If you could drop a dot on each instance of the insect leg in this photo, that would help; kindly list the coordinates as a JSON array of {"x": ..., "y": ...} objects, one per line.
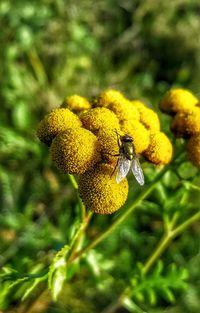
[{"x": 115, "y": 167}]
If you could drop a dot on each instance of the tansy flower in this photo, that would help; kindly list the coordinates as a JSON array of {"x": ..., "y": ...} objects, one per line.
[
  {"x": 100, "y": 192},
  {"x": 139, "y": 134},
  {"x": 193, "y": 149},
  {"x": 186, "y": 124},
  {"x": 148, "y": 117},
  {"x": 124, "y": 110},
  {"x": 75, "y": 150},
  {"x": 56, "y": 122},
  {"x": 96, "y": 118},
  {"x": 138, "y": 104},
  {"x": 159, "y": 150},
  {"x": 107, "y": 97},
  {"x": 76, "y": 103},
  {"x": 178, "y": 100},
  {"x": 108, "y": 140}
]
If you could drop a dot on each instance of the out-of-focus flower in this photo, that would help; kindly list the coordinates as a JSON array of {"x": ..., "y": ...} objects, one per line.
[
  {"x": 56, "y": 122},
  {"x": 139, "y": 134},
  {"x": 100, "y": 192},
  {"x": 160, "y": 149},
  {"x": 75, "y": 151},
  {"x": 107, "y": 97},
  {"x": 186, "y": 124},
  {"x": 97, "y": 118},
  {"x": 148, "y": 117},
  {"x": 76, "y": 103},
  {"x": 178, "y": 100},
  {"x": 193, "y": 149}
]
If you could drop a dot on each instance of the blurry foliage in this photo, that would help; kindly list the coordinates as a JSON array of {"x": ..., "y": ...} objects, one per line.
[{"x": 50, "y": 49}]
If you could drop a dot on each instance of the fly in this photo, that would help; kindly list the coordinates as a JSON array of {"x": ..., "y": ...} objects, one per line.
[{"x": 127, "y": 159}]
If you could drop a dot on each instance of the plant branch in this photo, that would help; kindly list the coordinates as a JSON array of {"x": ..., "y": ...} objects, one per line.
[{"x": 122, "y": 217}]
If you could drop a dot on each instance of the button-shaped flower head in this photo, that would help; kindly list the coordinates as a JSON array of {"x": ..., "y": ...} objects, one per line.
[
  {"x": 148, "y": 117},
  {"x": 100, "y": 192},
  {"x": 75, "y": 151},
  {"x": 97, "y": 118},
  {"x": 178, "y": 100},
  {"x": 76, "y": 103},
  {"x": 193, "y": 149},
  {"x": 124, "y": 110},
  {"x": 139, "y": 134},
  {"x": 56, "y": 122},
  {"x": 107, "y": 97},
  {"x": 108, "y": 141},
  {"x": 186, "y": 124},
  {"x": 160, "y": 149}
]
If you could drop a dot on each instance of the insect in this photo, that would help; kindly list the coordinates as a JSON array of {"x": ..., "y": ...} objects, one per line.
[{"x": 127, "y": 159}]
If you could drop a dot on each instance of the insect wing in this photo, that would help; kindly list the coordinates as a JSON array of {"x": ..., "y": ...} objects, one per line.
[
  {"x": 137, "y": 171},
  {"x": 123, "y": 168}
]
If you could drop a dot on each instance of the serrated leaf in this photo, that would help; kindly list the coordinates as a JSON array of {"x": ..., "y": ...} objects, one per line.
[
  {"x": 131, "y": 306},
  {"x": 151, "y": 296},
  {"x": 158, "y": 268},
  {"x": 158, "y": 282},
  {"x": 32, "y": 285},
  {"x": 58, "y": 272},
  {"x": 167, "y": 294}
]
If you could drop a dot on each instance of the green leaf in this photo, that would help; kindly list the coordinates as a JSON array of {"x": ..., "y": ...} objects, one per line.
[
  {"x": 131, "y": 306},
  {"x": 158, "y": 283},
  {"x": 32, "y": 285},
  {"x": 58, "y": 272}
]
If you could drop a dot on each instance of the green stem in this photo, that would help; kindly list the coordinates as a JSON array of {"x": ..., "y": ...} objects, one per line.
[
  {"x": 75, "y": 186},
  {"x": 166, "y": 239},
  {"x": 73, "y": 181},
  {"x": 161, "y": 247},
  {"x": 121, "y": 218},
  {"x": 79, "y": 234}
]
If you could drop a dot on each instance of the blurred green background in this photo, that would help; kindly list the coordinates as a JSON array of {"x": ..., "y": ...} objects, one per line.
[{"x": 51, "y": 49}]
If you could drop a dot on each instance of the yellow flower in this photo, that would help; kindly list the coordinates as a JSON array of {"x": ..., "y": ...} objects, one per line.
[
  {"x": 160, "y": 149},
  {"x": 109, "y": 147},
  {"x": 139, "y": 134},
  {"x": 138, "y": 104},
  {"x": 184, "y": 125},
  {"x": 193, "y": 149},
  {"x": 107, "y": 97},
  {"x": 100, "y": 192},
  {"x": 96, "y": 118},
  {"x": 178, "y": 100},
  {"x": 75, "y": 150},
  {"x": 148, "y": 117},
  {"x": 124, "y": 110},
  {"x": 56, "y": 122},
  {"x": 76, "y": 103}
]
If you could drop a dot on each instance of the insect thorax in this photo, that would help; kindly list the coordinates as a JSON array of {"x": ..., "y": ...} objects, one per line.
[{"x": 127, "y": 150}]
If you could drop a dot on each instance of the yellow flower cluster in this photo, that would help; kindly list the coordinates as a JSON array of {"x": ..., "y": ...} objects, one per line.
[
  {"x": 186, "y": 121},
  {"x": 84, "y": 140}
]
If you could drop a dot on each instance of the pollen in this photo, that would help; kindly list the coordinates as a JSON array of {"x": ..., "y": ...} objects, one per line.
[
  {"x": 193, "y": 149},
  {"x": 160, "y": 149},
  {"x": 124, "y": 110},
  {"x": 99, "y": 191},
  {"x": 97, "y": 118},
  {"x": 56, "y": 122},
  {"x": 76, "y": 103},
  {"x": 75, "y": 150},
  {"x": 178, "y": 100},
  {"x": 107, "y": 97},
  {"x": 148, "y": 117},
  {"x": 139, "y": 134},
  {"x": 186, "y": 124}
]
